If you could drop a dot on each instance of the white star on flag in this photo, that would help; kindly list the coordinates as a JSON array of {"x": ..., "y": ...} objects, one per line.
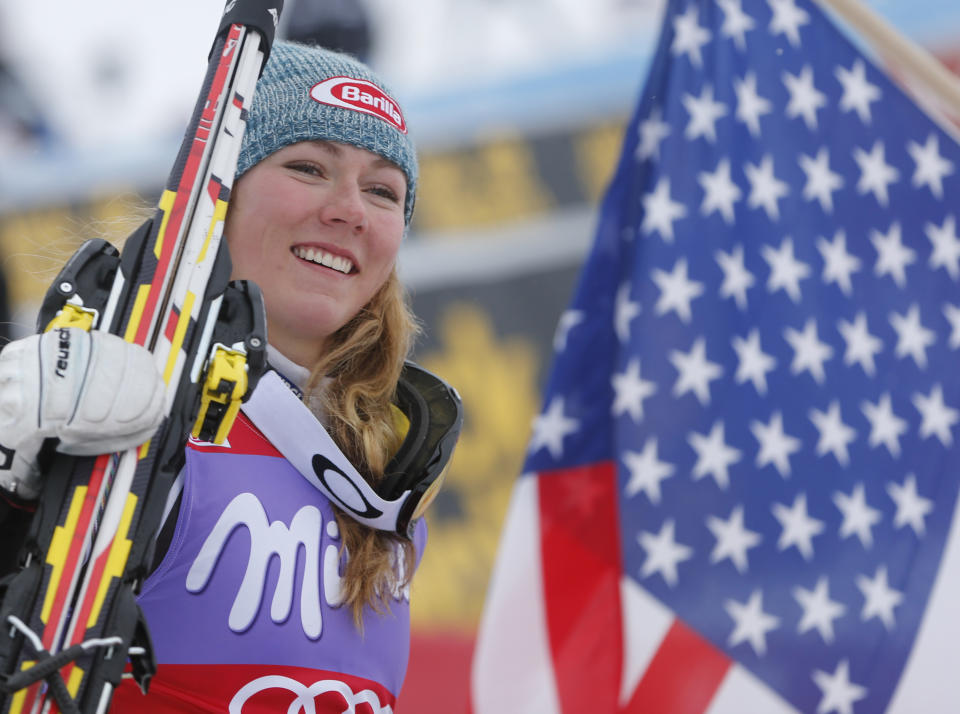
[
  {"x": 821, "y": 183},
  {"x": 765, "y": 188},
  {"x": 946, "y": 246},
  {"x": 704, "y": 113},
  {"x": 664, "y": 554},
  {"x": 753, "y": 363},
  {"x": 714, "y": 456},
  {"x": 809, "y": 353},
  {"x": 862, "y": 347},
  {"x": 858, "y": 93},
  {"x": 776, "y": 446},
  {"x": 937, "y": 418},
  {"x": 805, "y": 99},
  {"x": 819, "y": 611},
  {"x": 750, "y": 105},
  {"x": 787, "y": 19},
  {"x": 786, "y": 271},
  {"x": 838, "y": 264},
  {"x": 893, "y": 256},
  {"x": 858, "y": 517},
  {"x": 736, "y": 23},
  {"x": 646, "y": 471},
  {"x": 912, "y": 508},
  {"x": 651, "y": 132},
  {"x": 551, "y": 428},
  {"x": 932, "y": 168},
  {"x": 835, "y": 436},
  {"x": 736, "y": 278},
  {"x": 695, "y": 371},
  {"x": 751, "y": 623},
  {"x": 885, "y": 427},
  {"x": 879, "y": 598},
  {"x": 630, "y": 390},
  {"x": 676, "y": 290},
  {"x": 660, "y": 211},
  {"x": 733, "y": 539},
  {"x": 913, "y": 339},
  {"x": 798, "y": 527},
  {"x": 720, "y": 192},
  {"x": 624, "y": 311},
  {"x": 839, "y": 693},
  {"x": 876, "y": 174},
  {"x": 689, "y": 36},
  {"x": 952, "y": 313},
  {"x": 568, "y": 320}
]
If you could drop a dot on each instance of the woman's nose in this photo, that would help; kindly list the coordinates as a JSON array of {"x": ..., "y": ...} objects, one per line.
[{"x": 343, "y": 204}]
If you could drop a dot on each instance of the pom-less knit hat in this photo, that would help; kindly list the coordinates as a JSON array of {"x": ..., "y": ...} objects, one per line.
[{"x": 308, "y": 93}]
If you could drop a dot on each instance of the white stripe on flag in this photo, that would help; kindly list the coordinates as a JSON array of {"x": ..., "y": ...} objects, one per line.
[
  {"x": 645, "y": 623},
  {"x": 743, "y": 693},
  {"x": 930, "y": 682},
  {"x": 512, "y": 664}
]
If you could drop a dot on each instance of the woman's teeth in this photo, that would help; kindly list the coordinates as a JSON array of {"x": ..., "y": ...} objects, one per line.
[{"x": 321, "y": 257}]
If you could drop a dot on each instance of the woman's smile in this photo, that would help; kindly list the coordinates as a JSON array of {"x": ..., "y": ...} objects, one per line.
[{"x": 319, "y": 256}]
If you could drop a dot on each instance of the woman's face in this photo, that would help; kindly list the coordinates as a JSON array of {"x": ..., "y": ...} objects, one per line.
[{"x": 317, "y": 225}]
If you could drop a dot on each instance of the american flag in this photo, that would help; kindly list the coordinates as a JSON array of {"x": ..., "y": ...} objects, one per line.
[{"x": 740, "y": 493}]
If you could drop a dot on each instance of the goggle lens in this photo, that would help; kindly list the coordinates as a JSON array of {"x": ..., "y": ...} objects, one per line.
[{"x": 429, "y": 496}]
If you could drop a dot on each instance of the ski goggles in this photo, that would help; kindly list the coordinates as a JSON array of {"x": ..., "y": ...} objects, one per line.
[
  {"x": 433, "y": 416},
  {"x": 433, "y": 413}
]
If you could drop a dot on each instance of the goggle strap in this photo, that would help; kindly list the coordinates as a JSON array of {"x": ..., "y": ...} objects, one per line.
[{"x": 303, "y": 441}]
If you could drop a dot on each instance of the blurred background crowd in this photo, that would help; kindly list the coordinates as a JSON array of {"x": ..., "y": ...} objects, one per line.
[{"x": 518, "y": 109}]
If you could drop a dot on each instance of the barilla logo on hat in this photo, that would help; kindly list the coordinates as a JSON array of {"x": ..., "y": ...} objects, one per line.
[{"x": 360, "y": 96}]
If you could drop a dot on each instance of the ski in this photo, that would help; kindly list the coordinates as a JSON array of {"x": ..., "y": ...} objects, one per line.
[{"x": 69, "y": 621}]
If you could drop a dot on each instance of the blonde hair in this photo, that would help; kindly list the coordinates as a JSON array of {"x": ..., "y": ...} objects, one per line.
[{"x": 360, "y": 371}]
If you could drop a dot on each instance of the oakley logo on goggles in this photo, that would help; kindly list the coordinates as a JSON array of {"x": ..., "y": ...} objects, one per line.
[{"x": 433, "y": 414}]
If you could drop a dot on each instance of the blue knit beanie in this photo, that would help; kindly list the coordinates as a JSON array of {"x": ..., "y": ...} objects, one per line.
[{"x": 310, "y": 93}]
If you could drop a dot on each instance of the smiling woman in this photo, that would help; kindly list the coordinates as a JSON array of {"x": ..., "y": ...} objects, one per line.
[
  {"x": 324, "y": 195},
  {"x": 317, "y": 493},
  {"x": 317, "y": 225}
]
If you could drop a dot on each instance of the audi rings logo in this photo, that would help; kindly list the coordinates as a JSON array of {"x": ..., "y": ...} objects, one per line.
[{"x": 304, "y": 697}]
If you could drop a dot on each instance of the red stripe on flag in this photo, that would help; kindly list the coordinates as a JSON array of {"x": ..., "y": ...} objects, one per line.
[
  {"x": 683, "y": 676},
  {"x": 580, "y": 542}
]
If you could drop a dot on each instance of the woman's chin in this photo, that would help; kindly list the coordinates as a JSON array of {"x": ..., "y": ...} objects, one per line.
[{"x": 305, "y": 325}]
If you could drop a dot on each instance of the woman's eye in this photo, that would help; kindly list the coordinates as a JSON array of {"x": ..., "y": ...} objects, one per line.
[
  {"x": 306, "y": 168},
  {"x": 385, "y": 192}
]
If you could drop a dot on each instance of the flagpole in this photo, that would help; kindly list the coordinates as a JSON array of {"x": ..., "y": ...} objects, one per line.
[{"x": 907, "y": 54}]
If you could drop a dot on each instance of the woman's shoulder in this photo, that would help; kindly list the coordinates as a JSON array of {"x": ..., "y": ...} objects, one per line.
[{"x": 244, "y": 438}]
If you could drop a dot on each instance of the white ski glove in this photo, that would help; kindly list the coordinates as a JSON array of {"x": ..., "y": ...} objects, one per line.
[{"x": 92, "y": 390}]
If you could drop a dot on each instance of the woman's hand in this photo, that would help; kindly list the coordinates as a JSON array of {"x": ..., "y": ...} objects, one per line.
[{"x": 93, "y": 391}]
